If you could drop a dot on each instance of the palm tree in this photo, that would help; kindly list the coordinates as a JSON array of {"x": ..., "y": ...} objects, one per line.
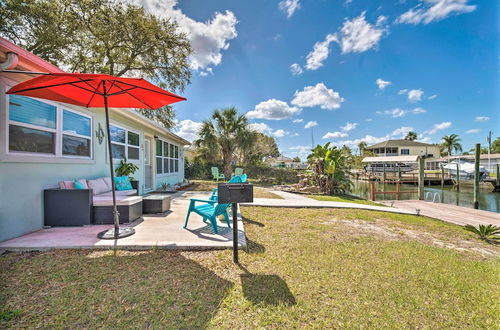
[
  {"x": 330, "y": 169},
  {"x": 223, "y": 134},
  {"x": 411, "y": 136},
  {"x": 362, "y": 146},
  {"x": 451, "y": 143}
]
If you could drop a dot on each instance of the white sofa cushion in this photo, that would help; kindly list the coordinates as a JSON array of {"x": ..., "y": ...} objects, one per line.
[
  {"x": 107, "y": 179},
  {"x": 98, "y": 186},
  {"x": 120, "y": 200},
  {"x": 118, "y": 193}
]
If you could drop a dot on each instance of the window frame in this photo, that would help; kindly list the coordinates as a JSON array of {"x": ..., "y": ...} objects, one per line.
[
  {"x": 57, "y": 131},
  {"x": 126, "y": 144},
  {"x": 401, "y": 151},
  {"x": 169, "y": 158}
]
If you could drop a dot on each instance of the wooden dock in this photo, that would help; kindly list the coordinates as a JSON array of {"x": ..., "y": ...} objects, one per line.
[{"x": 458, "y": 215}]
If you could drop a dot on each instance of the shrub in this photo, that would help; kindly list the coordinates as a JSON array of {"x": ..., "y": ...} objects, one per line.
[{"x": 489, "y": 233}]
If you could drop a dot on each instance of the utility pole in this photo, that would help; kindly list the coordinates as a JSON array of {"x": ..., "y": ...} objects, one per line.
[{"x": 476, "y": 175}]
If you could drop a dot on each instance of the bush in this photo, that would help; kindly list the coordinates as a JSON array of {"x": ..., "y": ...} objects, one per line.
[{"x": 257, "y": 173}]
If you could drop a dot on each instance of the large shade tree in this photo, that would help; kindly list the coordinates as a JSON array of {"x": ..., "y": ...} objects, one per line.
[
  {"x": 102, "y": 36},
  {"x": 224, "y": 134},
  {"x": 451, "y": 143}
]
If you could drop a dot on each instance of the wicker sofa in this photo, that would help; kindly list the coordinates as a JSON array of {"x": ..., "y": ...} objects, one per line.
[{"x": 67, "y": 206}]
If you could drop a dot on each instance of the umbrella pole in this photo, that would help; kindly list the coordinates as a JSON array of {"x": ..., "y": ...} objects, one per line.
[{"x": 116, "y": 232}]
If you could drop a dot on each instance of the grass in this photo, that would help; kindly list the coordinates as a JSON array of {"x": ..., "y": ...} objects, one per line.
[
  {"x": 206, "y": 185},
  {"x": 343, "y": 198},
  {"x": 312, "y": 268}
]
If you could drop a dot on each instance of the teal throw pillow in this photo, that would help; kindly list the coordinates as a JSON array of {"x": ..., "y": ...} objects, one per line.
[
  {"x": 79, "y": 185},
  {"x": 123, "y": 183}
]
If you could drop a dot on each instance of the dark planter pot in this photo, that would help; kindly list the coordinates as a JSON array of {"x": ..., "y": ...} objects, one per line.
[{"x": 135, "y": 184}]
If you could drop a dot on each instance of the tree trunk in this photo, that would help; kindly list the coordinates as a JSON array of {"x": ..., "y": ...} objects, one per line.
[{"x": 226, "y": 159}]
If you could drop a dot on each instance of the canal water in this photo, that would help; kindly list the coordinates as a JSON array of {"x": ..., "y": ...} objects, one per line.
[{"x": 488, "y": 200}]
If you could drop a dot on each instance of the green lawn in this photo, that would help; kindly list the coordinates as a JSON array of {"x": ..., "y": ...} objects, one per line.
[
  {"x": 304, "y": 268},
  {"x": 343, "y": 198}
]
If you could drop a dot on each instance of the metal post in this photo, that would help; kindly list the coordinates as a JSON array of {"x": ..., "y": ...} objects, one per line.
[
  {"x": 476, "y": 175},
  {"x": 421, "y": 165},
  {"x": 458, "y": 177},
  {"x": 498, "y": 175},
  {"x": 372, "y": 190},
  {"x": 235, "y": 233},
  {"x": 442, "y": 176},
  {"x": 398, "y": 190}
]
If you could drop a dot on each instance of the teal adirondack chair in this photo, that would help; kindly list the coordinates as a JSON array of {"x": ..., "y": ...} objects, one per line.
[
  {"x": 216, "y": 174},
  {"x": 209, "y": 210},
  {"x": 238, "y": 171}
]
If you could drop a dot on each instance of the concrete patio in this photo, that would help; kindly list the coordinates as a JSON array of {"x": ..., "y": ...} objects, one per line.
[{"x": 163, "y": 231}]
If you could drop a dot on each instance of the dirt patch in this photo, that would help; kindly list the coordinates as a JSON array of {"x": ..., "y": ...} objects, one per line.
[{"x": 382, "y": 229}]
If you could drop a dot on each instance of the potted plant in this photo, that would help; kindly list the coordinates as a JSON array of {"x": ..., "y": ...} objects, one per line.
[{"x": 128, "y": 169}]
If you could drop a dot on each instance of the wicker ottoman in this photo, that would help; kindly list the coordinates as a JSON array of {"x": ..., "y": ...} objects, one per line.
[
  {"x": 156, "y": 203},
  {"x": 129, "y": 207}
]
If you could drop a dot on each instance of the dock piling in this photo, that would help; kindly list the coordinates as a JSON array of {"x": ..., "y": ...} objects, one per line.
[
  {"x": 421, "y": 166},
  {"x": 476, "y": 175}
]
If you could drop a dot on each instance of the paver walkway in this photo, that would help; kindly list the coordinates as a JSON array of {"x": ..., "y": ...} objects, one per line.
[
  {"x": 164, "y": 231},
  {"x": 299, "y": 201},
  {"x": 450, "y": 213}
]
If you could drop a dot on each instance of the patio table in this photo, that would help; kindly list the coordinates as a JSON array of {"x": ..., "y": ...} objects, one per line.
[{"x": 156, "y": 203}]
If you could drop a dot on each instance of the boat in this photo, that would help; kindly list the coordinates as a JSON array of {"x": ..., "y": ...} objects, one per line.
[{"x": 465, "y": 170}]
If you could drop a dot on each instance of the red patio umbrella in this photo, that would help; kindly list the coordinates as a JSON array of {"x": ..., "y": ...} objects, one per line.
[{"x": 98, "y": 91}]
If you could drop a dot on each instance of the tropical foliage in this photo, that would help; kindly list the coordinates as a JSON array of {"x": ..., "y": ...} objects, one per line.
[
  {"x": 223, "y": 135},
  {"x": 330, "y": 169},
  {"x": 362, "y": 147},
  {"x": 451, "y": 143},
  {"x": 489, "y": 233},
  {"x": 115, "y": 37},
  {"x": 411, "y": 136},
  {"x": 126, "y": 169}
]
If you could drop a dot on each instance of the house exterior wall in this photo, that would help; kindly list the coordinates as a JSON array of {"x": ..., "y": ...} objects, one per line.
[
  {"x": 23, "y": 178},
  {"x": 412, "y": 151}
]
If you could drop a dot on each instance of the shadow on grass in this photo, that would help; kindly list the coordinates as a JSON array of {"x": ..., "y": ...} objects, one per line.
[
  {"x": 132, "y": 289},
  {"x": 254, "y": 247},
  {"x": 266, "y": 289},
  {"x": 252, "y": 222}
]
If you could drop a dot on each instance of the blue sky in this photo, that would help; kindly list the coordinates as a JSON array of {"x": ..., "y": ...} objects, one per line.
[{"x": 355, "y": 70}]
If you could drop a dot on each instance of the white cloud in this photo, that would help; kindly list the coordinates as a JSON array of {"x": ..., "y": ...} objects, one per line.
[
  {"x": 289, "y": 7},
  {"x": 318, "y": 95},
  {"x": 415, "y": 95},
  {"x": 188, "y": 129},
  {"x": 349, "y": 126},
  {"x": 298, "y": 120},
  {"x": 397, "y": 112},
  {"x": 355, "y": 36},
  {"x": 335, "y": 135},
  {"x": 272, "y": 109},
  {"x": 473, "y": 131},
  {"x": 208, "y": 39},
  {"x": 368, "y": 139},
  {"x": 401, "y": 132},
  {"x": 481, "y": 118},
  {"x": 438, "y": 127},
  {"x": 295, "y": 69},
  {"x": 432, "y": 97},
  {"x": 403, "y": 91},
  {"x": 424, "y": 139},
  {"x": 428, "y": 11},
  {"x": 369, "y": 119},
  {"x": 301, "y": 150},
  {"x": 266, "y": 129},
  {"x": 315, "y": 58},
  {"x": 382, "y": 83},
  {"x": 311, "y": 124}
]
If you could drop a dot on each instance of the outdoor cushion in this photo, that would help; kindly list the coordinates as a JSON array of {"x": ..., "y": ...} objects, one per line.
[
  {"x": 123, "y": 183},
  {"x": 118, "y": 193},
  {"x": 120, "y": 200},
  {"x": 107, "y": 179},
  {"x": 71, "y": 184},
  {"x": 78, "y": 185},
  {"x": 98, "y": 186}
]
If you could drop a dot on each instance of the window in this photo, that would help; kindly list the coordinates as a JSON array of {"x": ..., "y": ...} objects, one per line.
[
  {"x": 124, "y": 143},
  {"x": 40, "y": 128},
  {"x": 405, "y": 151},
  {"x": 77, "y": 136},
  {"x": 167, "y": 157}
]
